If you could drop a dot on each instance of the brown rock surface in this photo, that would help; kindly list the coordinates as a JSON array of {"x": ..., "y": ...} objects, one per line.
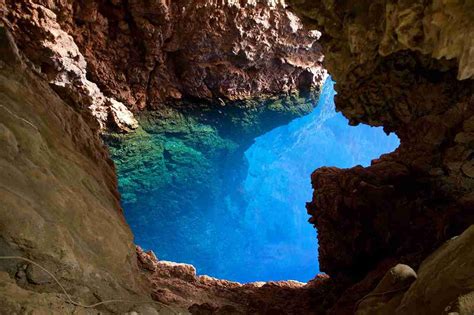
[
  {"x": 389, "y": 60},
  {"x": 59, "y": 202},
  {"x": 178, "y": 284},
  {"x": 144, "y": 54},
  {"x": 444, "y": 285}
]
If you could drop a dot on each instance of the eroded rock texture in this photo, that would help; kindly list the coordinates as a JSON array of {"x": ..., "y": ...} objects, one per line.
[
  {"x": 444, "y": 279},
  {"x": 406, "y": 66},
  {"x": 178, "y": 284},
  {"x": 59, "y": 202},
  {"x": 117, "y": 55}
]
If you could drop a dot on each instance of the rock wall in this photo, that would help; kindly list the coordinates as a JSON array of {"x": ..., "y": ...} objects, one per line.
[
  {"x": 406, "y": 66},
  {"x": 183, "y": 59},
  {"x": 117, "y": 55},
  {"x": 438, "y": 281},
  {"x": 178, "y": 284},
  {"x": 59, "y": 202}
]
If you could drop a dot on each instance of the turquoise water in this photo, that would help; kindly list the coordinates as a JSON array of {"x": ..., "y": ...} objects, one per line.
[
  {"x": 280, "y": 164},
  {"x": 239, "y": 219}
]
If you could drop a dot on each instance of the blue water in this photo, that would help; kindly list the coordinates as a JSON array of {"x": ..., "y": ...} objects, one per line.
[
  {"x": 256, "y": 230},
  {"x": 280, "y": 164}
]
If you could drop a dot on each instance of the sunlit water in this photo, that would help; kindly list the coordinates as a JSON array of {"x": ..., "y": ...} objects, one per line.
[
  {"x": 280, "y": 164},
  {"x": 261, "y": 232}
]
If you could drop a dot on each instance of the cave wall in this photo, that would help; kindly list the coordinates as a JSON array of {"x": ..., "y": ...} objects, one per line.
[
  {"x": 113, "y": 57},
  {"x": 403, "y": 65},
  {"x": 86, "y": 83},
  {"x": 59, "y": 201},
  {"x": 407, "y": 66}
]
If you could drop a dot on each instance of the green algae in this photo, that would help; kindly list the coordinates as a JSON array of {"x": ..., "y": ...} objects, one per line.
[
  {"x": 168, "y": 154},
  {"x": 189, "y": 142}
]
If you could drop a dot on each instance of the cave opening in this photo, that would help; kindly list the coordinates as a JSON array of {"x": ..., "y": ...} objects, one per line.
[{"x": 236, "y": 211}]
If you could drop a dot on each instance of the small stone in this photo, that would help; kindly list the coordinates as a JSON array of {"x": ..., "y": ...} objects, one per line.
[
  {"x": 36, "y": 275},
  {"x": 468, "y": 169},
  {"x": 147, "y": 260},
  {"x": 463, "y": 137},
  {"x": 146, "y": 310},
  {"x": 121, "y": 116},
  {"x": 21, "y": 277}
]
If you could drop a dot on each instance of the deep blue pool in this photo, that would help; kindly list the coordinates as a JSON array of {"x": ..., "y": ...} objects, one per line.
[
  {"x": 280, "y": 164},
  {"x": 252, "y": 230}
]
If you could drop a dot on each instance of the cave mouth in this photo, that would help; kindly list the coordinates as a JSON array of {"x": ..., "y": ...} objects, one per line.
[{"x": 194, "y": 197}]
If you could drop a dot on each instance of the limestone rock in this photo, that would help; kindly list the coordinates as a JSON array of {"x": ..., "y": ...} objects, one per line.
[
  {"x": 112, "y": 57},
  {"x": 146, "y": 260},
  {"x": 59, "y": 197},
  {"x": 444, "y": 284},
  {"x": 445, "y": 280},
  {"x": 367, "y": 30},
  {"x": 176, "y": 284},
  {"x": 405, "y": 66},
  {"x": 36, "y": 275},
  {"x": 66, "y": 68},
  {"x": 388, "y": 292}
]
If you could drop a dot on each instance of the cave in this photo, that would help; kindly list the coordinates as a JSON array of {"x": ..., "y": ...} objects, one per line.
[{"x": 180, "y": 157}]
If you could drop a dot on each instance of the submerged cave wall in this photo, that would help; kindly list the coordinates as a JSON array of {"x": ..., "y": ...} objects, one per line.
[
  {"x": 181, "y": 170},
  {"x": 407, "y": 66}
]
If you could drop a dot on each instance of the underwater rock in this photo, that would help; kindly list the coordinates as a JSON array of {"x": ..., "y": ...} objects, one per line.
[{"x": 181, "y": 169}]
